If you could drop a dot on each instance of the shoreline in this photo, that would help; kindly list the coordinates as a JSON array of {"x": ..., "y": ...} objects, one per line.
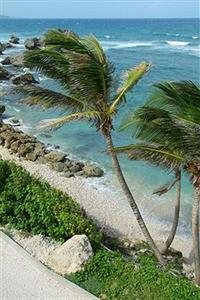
[{"x": 113, "y": 215}]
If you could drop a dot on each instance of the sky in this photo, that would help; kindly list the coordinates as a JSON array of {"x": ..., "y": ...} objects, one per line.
[{"x": 100, "y": 8}]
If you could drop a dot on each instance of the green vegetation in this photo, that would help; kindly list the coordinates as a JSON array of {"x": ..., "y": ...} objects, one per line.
[
  {"x": 109, "y": 275},
  {"x": 34, "y": 206},
  {"x": 168, "y": 127}
]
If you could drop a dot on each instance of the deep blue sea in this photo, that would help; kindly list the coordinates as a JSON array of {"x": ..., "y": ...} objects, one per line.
[{"x": 171, "y": 45}]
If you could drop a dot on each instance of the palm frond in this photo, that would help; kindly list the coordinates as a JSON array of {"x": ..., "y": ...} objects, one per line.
[
  {"x": 46, "y": 98},
  {"x": 89, "y": 72},
  {"x": 131, "y": 78},
  {"x": 59, "y": 122},
  {"x": 51, "y": 63},
  {"x": 165, "y": 188},
  {"x": 181, "y": 98},
  {"x": 56, "y": 39},
  {"x": 156, "y": 155}
]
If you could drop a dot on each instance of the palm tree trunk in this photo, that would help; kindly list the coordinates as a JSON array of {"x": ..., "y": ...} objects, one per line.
[
  {"x": 131, "y": 200},
  {"x": 176, "y": 216},
  {"x": 195, "y": 234}
]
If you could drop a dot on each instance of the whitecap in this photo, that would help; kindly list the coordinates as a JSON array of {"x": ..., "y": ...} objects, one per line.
[
  {"x": 177, "y": 43},
  {"x": 123, "y": 44},
  {"x": 18, "y": 45},
  {"x": 107, "y": 36},
  {"x": 195, "y": 37},
  {"x": 41, "y": 78}
]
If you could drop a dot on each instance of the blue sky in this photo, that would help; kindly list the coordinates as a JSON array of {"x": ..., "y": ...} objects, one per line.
[{"x": 100, "y": 8}]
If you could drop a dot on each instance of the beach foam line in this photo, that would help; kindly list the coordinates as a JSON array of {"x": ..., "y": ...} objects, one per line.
[{"x": 178, "y": 43}]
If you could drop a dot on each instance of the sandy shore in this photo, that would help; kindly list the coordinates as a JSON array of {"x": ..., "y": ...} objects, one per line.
[{"x": 104, "y": 206}]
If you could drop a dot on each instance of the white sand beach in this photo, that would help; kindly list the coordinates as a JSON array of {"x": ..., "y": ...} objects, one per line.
[{"x": 111, "y": 212}]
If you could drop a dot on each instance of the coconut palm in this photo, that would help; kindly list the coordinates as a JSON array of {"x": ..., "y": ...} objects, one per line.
[
  {"x": 169, "y": 127},
  {"x": 81, "y": 67}
]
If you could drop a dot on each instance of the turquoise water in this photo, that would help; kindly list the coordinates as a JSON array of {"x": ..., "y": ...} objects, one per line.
[{"x": 173, "y": 48}]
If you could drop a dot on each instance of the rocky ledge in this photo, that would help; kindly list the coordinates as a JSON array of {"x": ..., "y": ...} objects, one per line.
[{"x": 29, "y": 148}]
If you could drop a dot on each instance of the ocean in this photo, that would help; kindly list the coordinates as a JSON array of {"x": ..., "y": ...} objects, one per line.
[{"x": 171, "y": 45}]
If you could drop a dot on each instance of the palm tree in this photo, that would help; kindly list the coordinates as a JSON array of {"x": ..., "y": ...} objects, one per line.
[
  {"x": 161, "y": 157},
  {"x": 81, "y": 67},
  {"x": 169, "y": 127}
]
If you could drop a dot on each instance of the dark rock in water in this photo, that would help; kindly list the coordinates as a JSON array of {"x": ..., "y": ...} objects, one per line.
[
  {"x": 14, "y": 122},
  {"x": 2, "y": 109},
  {"x": 24, "y": 79},
  {"x": 4, "y": 74},
  {"x": 33, "y": 44},
  {"x": 14, "y": 39},
  {"x": 2, "y": 48},
  {"x": 8, "y": 45},
  {"x": 17, "y": 60},
  {"x": 6, "y": 61}
]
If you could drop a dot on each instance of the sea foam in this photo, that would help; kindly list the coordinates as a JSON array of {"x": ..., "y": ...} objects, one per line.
[
  {"x": 178, "y": 43},
  {"x": 123, "y": 44}
]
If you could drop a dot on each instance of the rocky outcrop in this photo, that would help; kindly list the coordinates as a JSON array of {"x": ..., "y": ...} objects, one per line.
[
  {"x": 14, "y": 39},
  {"x": 6, "y": 61},
  {"x": 17, "y": 60},
  {"x": 30, "y": 148},
  {"x": 33, "y": 44},
  {"x": 71, "y": 256},
  {"x": 24, "y": 79},
  {"x": 4, "y": 74}
]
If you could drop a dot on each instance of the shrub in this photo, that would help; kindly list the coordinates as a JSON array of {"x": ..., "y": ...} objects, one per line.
[
  {"x": 33, "y": 205},
  {"x": 109, "y": 275}
]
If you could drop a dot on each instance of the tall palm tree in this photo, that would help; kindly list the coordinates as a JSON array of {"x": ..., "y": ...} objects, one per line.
[
  {"x": 169, "y": 127},
  {"x": 160, "y": 156},
  {"x": 81, "y": 67}
]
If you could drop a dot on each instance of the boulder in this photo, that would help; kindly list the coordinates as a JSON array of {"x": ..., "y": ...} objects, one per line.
[
  {"x": 68, "y": 174},
  {"x": 76, "y": 167},
  {"x": 2, "y": 48},
  {"x": 58, "y": 166},
  {"x": 24, "y": 79},
  {"x": 2, "y": 109},
  {"x": 40, "y": 149},
  {"x": 71, "y": 256},
  {"x": 8, "y": 45},
  {"x": 92, "y": 171},
  {"x": 24, "y": 149},
  {"x": 55, "y": 156},
  {"x": 4, "y": 74},
  {"x": 6, "y": 61},
  {"x": 32, "y": 44},
  {"x": 15, "y": 146},
  {"x": 17, "y": 60},
  {"x": 14, "y": 39}
]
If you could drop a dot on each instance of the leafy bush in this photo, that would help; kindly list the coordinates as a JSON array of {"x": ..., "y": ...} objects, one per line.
[
  {"x": 109, "y": 275},
  {"x": 33, "y": 205}
]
